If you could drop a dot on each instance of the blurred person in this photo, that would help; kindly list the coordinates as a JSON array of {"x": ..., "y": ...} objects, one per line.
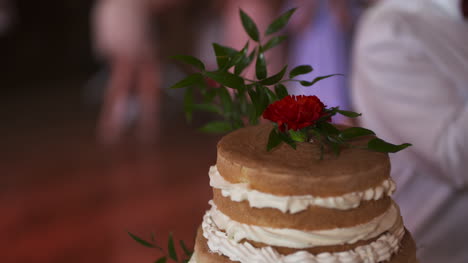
[
  {"x": 321, "y": 33},
  {"x": 124, "y": 36},
  {"x": 410, "y": 81}
]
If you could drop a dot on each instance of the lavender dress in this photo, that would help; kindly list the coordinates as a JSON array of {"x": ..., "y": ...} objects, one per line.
[{"x": 325, "y": 46}]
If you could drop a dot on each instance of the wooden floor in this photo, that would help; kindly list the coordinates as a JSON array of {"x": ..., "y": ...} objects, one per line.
[{"x": 65, "y": 198}]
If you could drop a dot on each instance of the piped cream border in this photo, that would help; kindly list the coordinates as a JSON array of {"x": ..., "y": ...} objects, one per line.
[
  {"x": 293, "y": 204},
  {"x": 222, "y": 243}
]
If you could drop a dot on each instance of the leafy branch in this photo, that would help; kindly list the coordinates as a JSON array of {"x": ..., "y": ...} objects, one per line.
[
  {"x": 239, "y": 101},
  {"x": 171, "y": 251},
  {"x": 330, "y": 138}
]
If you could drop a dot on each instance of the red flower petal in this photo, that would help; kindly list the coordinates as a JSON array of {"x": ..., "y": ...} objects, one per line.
[{"x": 295, "y": 112}]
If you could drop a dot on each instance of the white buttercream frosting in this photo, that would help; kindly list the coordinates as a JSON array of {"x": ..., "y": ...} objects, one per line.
[
  {"x": 294, "y": 238},
  {"x": 223, "y": 243},
  {"x": 239, "y": 192}
]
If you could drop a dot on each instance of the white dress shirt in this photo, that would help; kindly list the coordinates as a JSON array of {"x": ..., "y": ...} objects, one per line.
[{"x": 410, "y": 81}]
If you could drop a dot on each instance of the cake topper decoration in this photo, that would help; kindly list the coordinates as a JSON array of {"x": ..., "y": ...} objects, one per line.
[{"x": 240, "y": 101}]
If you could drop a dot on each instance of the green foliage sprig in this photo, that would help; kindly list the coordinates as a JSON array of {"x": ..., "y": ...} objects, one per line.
[
  {"x": 240, "y": 101},
  {"x": 330, "y": 138},
  {"x": 171, "y": 251}
]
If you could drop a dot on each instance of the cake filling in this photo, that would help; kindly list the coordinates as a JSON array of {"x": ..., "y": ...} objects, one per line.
[
  {"x": 239, "y": 192},
  {"x": 293, "y": 238},
  {"x": 226, "y": 244}
]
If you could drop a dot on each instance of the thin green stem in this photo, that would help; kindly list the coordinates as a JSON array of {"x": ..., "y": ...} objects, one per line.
[
  {"x": 249, "y": 79},
  {"x": 286, "y": 80}
]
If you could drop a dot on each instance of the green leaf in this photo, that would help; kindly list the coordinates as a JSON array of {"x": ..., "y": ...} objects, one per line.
[
  {"x": 354, "y": 132},
  {"x": 349, "y": 114},
  {"x": 275, "y": 78},
  {"x": 281, "y": 91},
  {"x": 270, "y": 95},
  {"x": 190, "y": 80},
  {"x": 256, "y": 109},
  {"x": 188, "y": 104},
  {"x": 336, "y": 146},
  {"x": 171, "y": 248},
  {"x": 253, "y": 96},
  {"x": 185, "y": 249},
  {"x": 226, "y": 99},
  {"x": 249, "y": 26},
  {"x": 226, "y": 79},
  {"x": 300, "y": 70},
  {"x": 221, "y": 50},
  {"x": 298, "y": 136},
  {"x": 322, "y": 151},
  {"x": 327, "y": 128},
  {"x": 223, "y": 54},
  {"x": 244, "y": 63},
  {"x": 252, "y": 113},
  {"x": 241, "y": 102},
  {"x": 280, "y": 22},
  {"x": 335, "y": 139},
  {"x": 217, "y": 127},
  {"x": 141, "y": 241},
  {"x": 207, "y": 108},
  {"x": 285, "y": 138},
  {"x": 161, "y": 260},
  {"x": 328, "y": 114},
  {"x": 310, "y": 83},
  {"x": 273, "y": 42},
  {"x": 262, "y": 100},
  {"x": 260, "y": 66},
  {"x": 237, "y": 123},
  {"x": 273, "y": 140},
  {"x": 380, "y": 145},
  {"x": 236, "y": 58},
  {"x": 190, "y": 60},
  {"x": 209, "y": 95}
]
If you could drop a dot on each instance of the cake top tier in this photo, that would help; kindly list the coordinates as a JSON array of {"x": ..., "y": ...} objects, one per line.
[{"x": 243, "y": 158}]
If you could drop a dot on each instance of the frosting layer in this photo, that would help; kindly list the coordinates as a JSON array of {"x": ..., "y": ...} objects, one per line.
[
  {"x": 239, "y": 192},
  {"x": 293, "y": 238},
  {"x": 377, "y": 251}
]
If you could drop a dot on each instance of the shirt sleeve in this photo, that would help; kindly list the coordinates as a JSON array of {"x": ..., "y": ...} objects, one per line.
[{"x": 405, "y": 95}]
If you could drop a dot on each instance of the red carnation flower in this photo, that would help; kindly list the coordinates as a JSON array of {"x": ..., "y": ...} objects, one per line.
[{"x": 295, "y": 112}]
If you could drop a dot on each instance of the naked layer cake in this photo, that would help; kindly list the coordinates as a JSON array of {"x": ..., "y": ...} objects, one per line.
[{"x": 288, "y": 205}]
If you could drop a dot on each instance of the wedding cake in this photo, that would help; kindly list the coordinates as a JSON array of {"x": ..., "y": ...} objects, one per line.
[
  {"x": 296, "y": 190},
  {"x": 290, "y": 205}
]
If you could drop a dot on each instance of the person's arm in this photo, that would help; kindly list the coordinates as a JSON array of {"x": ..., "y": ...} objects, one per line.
[{"x": 404, "y": 93}]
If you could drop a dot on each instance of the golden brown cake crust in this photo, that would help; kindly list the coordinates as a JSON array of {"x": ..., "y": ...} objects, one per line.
[
  {"x": 406, "y": 253},
  {"x": 314, "y": 218},
  {"x": 242, "y": 157},
  {"x": 203, "y": 254},
  {"x": 314, "y": 250}
]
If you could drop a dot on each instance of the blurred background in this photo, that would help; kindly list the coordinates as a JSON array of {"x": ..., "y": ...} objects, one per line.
[
  {"x": 93, "y": 144},
  {"x": 70, "y": 189},
  {"x": 64, "y": 195}
]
